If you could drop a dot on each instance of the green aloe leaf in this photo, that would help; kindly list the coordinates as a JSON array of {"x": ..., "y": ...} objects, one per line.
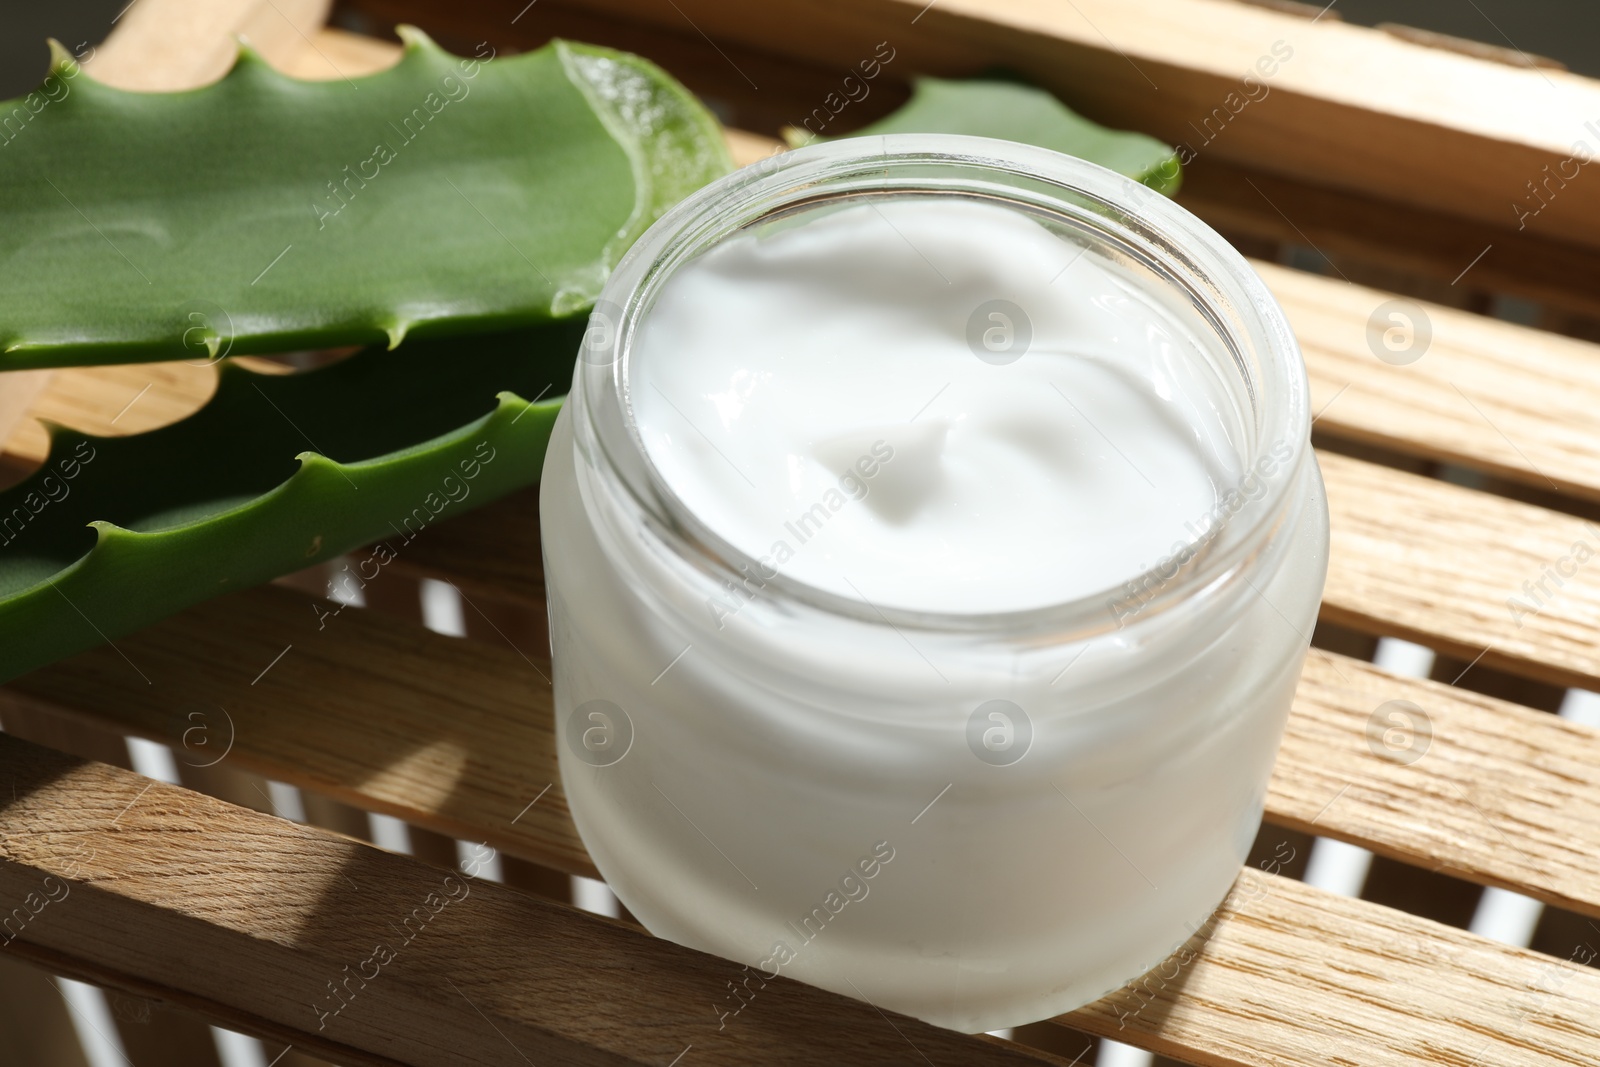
[
  {"x": 265, "y": 213},
  {"x": 274, "y": 473},
  {"x": 999, "y": 106}
]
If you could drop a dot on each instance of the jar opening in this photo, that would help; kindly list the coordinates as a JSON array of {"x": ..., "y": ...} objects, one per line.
[{"x": 1184, "y": 269}]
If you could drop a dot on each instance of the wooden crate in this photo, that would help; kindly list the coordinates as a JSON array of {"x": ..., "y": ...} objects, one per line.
[{"x": 1456, "y": 482}]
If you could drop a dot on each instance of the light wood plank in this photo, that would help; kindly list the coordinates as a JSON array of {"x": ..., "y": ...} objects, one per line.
[
  {"x": 1476, "y": 576},
  {"x": 1475, "y": 787},
  {"x": 1353, "y": 108},
  {"x": 1361, "y": 233},
  {"x": 334, "y": 53},
  {"x": 497, "y": 555},
  {"x": 118, "y": 399},
  {"x": 256, "y": 921},
  {"x": 165, "y": 45},
  {"x": 19, "y": 394},
  {"x": 465, "y": 740},
  {"x": 1503, "y": 398},
  {"x": 1290, "y": 976}
]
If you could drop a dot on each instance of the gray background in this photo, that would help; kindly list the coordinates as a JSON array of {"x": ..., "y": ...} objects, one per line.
[{"x": 1568, "y": 30}]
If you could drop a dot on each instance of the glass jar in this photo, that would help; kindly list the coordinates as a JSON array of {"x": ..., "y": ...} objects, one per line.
[{"x": 1071, "y": 796}]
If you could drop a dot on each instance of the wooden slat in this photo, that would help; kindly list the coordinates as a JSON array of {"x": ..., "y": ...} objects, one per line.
[
  {"x": 18, "y": 394},
  {"x": 465, "y": 741},
  {"x": 1353, "y": 108},
  {"x": 496, "y": 556},
  {"x": 1447, "y": 567},
  {"x": 1355, "y": 230},
  {"x": 1480, "y": 788},
  {"x": 1291, "y": 976},
  {"x": 255, "y": 921},
  {"x": 1503, "y": 398},
  {"x": 120, "y": 399},
  {"x": 161, "y": 45},
  {"x": 333, "y": 53}
]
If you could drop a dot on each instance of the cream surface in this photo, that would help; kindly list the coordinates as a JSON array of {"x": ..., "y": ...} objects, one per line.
[{"x": 936, "y": 404}]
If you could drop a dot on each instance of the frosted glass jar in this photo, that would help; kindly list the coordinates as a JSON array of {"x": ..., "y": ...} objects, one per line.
[{"x": 1051, "y": 810}]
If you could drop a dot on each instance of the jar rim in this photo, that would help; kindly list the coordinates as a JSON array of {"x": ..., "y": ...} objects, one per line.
[{"x": 1216, "y": 280}]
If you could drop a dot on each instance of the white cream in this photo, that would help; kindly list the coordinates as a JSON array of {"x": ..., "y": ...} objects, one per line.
[
  {"x": 776, "y": 371},
  {"x": 979, "y": 819}
]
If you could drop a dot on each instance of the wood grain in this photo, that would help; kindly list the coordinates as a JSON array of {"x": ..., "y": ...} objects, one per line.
[
  {"x": 120, "y": 399},
  {"x": 463, "y": 743},
  {"x": 1504, "y": 795},
  {"x": 331, "y": 53},
  {"x": 1287, "y": 975},
  {"x": 1478, "y": 788},
  {"x": 1461, "y": 571},
  {"x": 1502, "y": 398},
  {"x": 18, "y": 396},
  {"x": 1361, "y": 233},
  {"x": 271, "y": 927},
  {"x": 163, "y": 46}
]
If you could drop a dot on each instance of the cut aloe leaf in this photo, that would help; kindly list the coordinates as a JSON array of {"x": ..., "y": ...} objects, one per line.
[
  {"x": 997, "y": 106},
  {"x": 264, "y": 213},
  {"x": 274, "y": 473}
]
